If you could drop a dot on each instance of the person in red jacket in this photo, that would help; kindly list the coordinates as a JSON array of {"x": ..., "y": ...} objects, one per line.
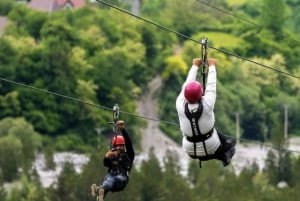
[{"x": 119, "y": 161}]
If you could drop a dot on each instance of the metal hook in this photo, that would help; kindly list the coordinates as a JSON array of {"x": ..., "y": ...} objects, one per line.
[
  {"x": 204, "y": 50},
  {"x": 116, "y": 112},
  {"x": 204, "y": 61},
  {"x": 115, "y": 118}
]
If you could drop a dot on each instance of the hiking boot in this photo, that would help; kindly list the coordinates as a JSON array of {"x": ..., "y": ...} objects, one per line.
[
  {"x": 94, "y": 189},
  {"x": 100, "y": 194},
  {"x": 228, "y": 155}
]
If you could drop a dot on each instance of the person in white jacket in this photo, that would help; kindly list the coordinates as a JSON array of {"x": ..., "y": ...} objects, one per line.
[{"x": 196, "y": 117}]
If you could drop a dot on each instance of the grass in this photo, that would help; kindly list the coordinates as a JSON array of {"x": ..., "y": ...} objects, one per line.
[{"x": 236, "y": 2}]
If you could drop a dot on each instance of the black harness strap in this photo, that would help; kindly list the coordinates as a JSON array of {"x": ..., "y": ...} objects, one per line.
[{"x": 197, "y": 135}]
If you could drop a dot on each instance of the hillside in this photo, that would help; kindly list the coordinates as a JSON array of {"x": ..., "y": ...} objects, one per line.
[{"x": 152, "y": 136}]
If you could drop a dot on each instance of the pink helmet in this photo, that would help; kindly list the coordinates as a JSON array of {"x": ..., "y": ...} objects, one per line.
[
  {"x": 193, "y": 92},
  {"x": 118, "y": 140}
]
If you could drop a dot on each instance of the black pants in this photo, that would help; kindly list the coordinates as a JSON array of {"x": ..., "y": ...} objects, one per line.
[{"x": 225, "y": 146}]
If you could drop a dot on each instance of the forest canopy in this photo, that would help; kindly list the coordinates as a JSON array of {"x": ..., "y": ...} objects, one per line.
[{"x": 97, "y": 56}]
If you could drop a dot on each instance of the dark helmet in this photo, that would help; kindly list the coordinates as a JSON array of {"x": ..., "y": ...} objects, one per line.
[
  {"x": 118, "y": 140},
  {"x": 193, "y": 92}
]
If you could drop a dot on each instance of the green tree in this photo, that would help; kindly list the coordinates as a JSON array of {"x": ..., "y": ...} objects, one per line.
[
  {"x": 8, "y": 63},
  {"x": 49, "y": 157},
  {"x": 209, "y": 180},
  {"x": 118, "y": 63},
  {"x": 279, "y": 163},
  {"x": 18, "y": 17},
  {"x": 31, "y": 191},
  {"x": 92, "y": 173},
  {"x": 5, "y": 7},
  {"x": 10, "y": 105},
  {"x": 273, "y": 16},
  {"x": 10, "y": 157},
  {"x": 193, "y": 172},
  {"x": 190, "y": 17},
  {"x": 172, "y": 78},
  {"x": 173, "y": 179},
  {"x": 26, "y": 21},
  {"x": 152, "y": 9},
  {"x": 67, "y": 185},
  {"x": 295, "y": 176},
  {"x": 246, "y": 176},
  {"x": 152, "y": 173},
  {"x": 293, "y": 21},
  {"x": 271, "y": 167},
  {"x": 27, "y": 143},
  {"x": 3, "y": 192}
]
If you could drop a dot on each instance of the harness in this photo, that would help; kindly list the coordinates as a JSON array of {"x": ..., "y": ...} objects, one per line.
[
  {"x": 121, "y": 164},
  {"x": 197, "y": 135}
]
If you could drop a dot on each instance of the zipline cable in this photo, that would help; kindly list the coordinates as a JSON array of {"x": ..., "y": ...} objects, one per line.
[
  {"x": 189, "y": 38},
  {"x": 247, "y": 21},
  {"x": 127, "y": 113},
  {"x": 139, "y": 116},
  {"x": 81, "y": 101},
  {"x": 264, "y": 144},
  {"x": 196, "y": 41}
]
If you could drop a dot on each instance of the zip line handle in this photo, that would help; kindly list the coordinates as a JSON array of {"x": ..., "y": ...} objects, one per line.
[
  {"x": 115, "y": 118},
  {"x": 116, "y": 113},
  {"x": 204, "y": 49},
  {"x": 204, "y": 61}
]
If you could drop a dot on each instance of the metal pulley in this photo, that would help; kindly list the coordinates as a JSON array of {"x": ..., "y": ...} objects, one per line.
[
  {"x": 115, "y": 118},
  {"x": 204, "y": 61}
]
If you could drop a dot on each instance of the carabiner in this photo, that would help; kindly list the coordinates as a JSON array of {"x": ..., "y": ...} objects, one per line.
[{"x": 116, "y": 113}]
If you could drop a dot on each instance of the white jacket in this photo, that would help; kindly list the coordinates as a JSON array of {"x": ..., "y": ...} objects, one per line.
[{"x": 207, "y": 119}]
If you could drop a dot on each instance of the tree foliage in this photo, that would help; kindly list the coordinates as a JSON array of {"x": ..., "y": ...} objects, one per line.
[
  {"x": 96, "y": 56},
  {"x": 19, "y": 143}
]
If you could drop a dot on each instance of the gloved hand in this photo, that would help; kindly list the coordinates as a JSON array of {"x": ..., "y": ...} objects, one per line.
[
  {"x": 121, "y": 124},
  {"x": 111, "y": 153}
]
